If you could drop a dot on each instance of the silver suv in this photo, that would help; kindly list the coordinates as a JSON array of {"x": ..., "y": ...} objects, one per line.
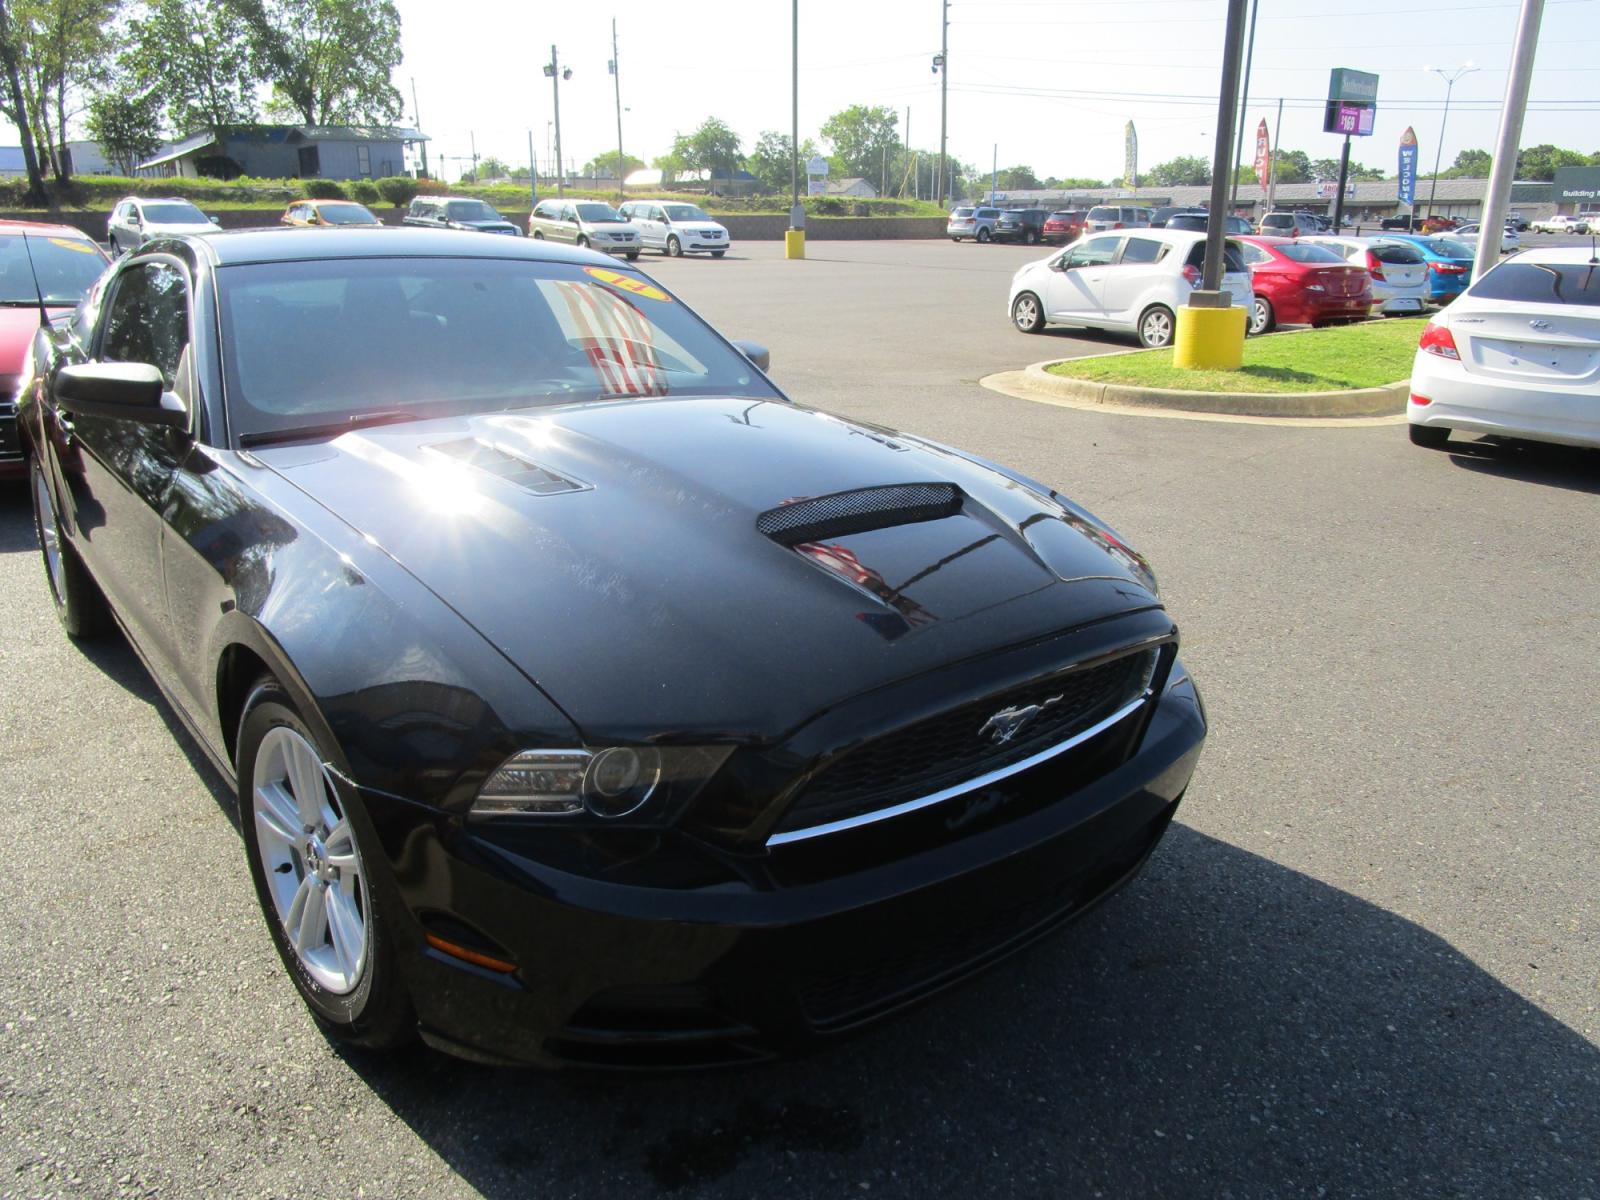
[
  {"x": 1283, "y": 224},
  {"x": 590, "y": 223},
  {"x": 975, "y": 223},
  {"x": 136, "y": 219},
  {"x": 1116, "y": 216}
]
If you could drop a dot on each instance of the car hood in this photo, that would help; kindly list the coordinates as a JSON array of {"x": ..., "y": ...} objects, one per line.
[
  {"x": 611, "y": 550},
  {"x": 488, "y": 226},
  {"x": 17, "y": 329}
]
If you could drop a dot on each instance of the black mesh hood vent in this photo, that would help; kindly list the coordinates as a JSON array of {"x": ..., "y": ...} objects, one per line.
[
  {"x": 820, "y": 517},
  {"x": 527, "y": 475}
]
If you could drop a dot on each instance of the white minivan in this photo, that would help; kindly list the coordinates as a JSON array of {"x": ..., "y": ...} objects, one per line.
[
  {"x": 1133, "y": 281},
  {"x": 676, "y": 229}
]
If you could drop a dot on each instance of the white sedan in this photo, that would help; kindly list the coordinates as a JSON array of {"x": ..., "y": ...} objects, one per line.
[
  {"x": 1517, "y": 354},
  {"x": 1127, "y": 281},
  {"x": 1398, "y": 269},
  {"x": 1509, "y": 240}
]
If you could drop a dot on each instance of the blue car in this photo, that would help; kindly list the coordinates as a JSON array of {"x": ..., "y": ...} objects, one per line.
[{"x": 1449, "y": 262}]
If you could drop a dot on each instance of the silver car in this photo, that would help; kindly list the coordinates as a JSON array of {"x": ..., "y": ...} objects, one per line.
[
  {"x": 975, "y": 223},
  {"x": 135, "y": 220},
  {"x": 1398, "y": 269},
  {"x": 590, "y": 223}
]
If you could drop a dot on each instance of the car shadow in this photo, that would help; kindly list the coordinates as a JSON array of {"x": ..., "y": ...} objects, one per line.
[
  {"x": 1571, "y": 467},
  {"x": 1225, "y": 1027},
  {"x": 16, "y": 518}
]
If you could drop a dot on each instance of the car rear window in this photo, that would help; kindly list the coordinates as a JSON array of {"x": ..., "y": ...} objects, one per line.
[
  {"x": 962, "y": 212},
  {"x": 1541, "y": 283},
  {"x": 1297, "y": 252},
  {"x": 1399, "y": 256},
  {"x": 1105, "y": 214},
  {"x": 1450, "y": 247},
  {"x": 1278, "y": 220},
  {"x": 1186, "y": 221}
]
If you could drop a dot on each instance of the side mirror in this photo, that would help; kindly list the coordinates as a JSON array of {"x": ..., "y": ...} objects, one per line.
[
  {"x": 756, "y": 353},
  {"x": 135, "y": 219},
  {"x": 121, "y": 391},
  {"x": 1059, "y": 263},
  {"x": 666, "y": 220}
]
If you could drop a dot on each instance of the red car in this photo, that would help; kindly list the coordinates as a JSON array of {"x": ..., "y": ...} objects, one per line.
[
  {"x": 1065, "y": 225},
  {"x": 44, "y": 271},
  {"x": 1297, "y": 283}
]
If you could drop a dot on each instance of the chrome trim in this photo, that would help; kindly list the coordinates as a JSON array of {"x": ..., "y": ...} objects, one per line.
[{"x": 896, "y": 810}]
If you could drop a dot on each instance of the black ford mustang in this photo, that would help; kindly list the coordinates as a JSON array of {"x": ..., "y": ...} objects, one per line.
[{"x": 589, "y": 701}]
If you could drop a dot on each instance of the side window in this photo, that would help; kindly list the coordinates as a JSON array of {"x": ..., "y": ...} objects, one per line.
[
  {"x": 1096, "y": 252},
  {"x": 1252, "y": 254},
  {"x": 1143, "y": 250},
  {"x": 147, "y": 318},
  {"x": 568, "y": 213}
]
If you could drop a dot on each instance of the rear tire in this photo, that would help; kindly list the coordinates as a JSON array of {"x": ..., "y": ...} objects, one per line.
[
  {"x": 1156, "y": 327},
  {"x": 1431, "y": 436},
  {"x": 1030, "y": 238},
  {"x": 983, "y": 236},
  {"x": 1027, "y": 314},
  {"x": 79, "y": 606},
  {"x": 1262, "y": 318},
  {"x": 345, "y": 971},
  {"x": 538, "y": 235}
]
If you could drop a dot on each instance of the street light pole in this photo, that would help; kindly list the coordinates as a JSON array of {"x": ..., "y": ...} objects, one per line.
[
  {"x": 553, "y": 69},
  {"x": 943, "y": 67},
  {"x": 1244, "y": 104},
  {"x": 616, "y": 78},
  {"x": 1504, "y": 167},
  {"x": 1449, "y": 78}
]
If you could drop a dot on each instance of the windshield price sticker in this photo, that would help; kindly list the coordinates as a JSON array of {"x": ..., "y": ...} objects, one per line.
[{"x": 631, "y": 284}]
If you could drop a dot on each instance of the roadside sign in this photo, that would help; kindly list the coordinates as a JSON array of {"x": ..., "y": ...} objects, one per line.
[
  {"x": 817, "y": 166},
  {"x": 1352, "y": 102}
]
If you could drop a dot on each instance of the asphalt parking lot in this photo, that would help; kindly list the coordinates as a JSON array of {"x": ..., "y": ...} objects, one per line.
[{"x": 1365, "y": 962}]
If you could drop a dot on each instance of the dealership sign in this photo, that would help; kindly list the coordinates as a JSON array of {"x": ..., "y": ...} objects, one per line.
[
  {"x": 1352, "y": 102},
  {"x": 1576, "y": 183}
]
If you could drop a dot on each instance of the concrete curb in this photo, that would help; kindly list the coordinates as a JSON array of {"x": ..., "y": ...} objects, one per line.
[{"x": 1360, "y": 402}]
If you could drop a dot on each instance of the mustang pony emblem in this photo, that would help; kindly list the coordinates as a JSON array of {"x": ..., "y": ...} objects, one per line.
[
  {"x": 1538, "y": 324},
  {"x": 1009, "y": 722}
]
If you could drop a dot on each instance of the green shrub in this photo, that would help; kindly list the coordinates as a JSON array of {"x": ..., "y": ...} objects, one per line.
[
  {"x": 364, "y": 190},
  {"x": 324, "y": 189},
  {"x": 397, "y": 189}
]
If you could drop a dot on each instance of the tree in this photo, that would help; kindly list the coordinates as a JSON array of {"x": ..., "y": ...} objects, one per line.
[
  {"x": 606, "y": 164},
  {"x": 1328, "y": 168},
  {"x": 670, "y": 166},
  {"x": 859, "y": 138},
  {"x": 328, "y": 61},
  {"x": 1294, "y": 166},
  {"x": 1541, "y": 162},
  {"x": 128, "y": 127},
  {"x": 491, "y": 168},
  {"x": 1015, "y": 179},
  {"x": 1071, "y": 182},
  {"x": 62, "y": 45},
  {"x": 194, "y": 57},
  {"x": 15, "y": 106},
  {"x": 1470, "y": 164},
  {"x": 1185, "y": 170},
  {"x": 770, "y": 161},
  {"x": 713, "y": 147}
]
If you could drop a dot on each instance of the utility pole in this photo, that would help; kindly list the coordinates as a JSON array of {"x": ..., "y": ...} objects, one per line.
[
  {"x": 417, "y": 117},
  {"x": 616, "y": 78},
  {"x": 1504, "y": 168},
  {"x": 909, "y": 157},
  {"x": 1450, "y": 78},
  {"x": 533, "y": 173},
  {"x": 994, "y": 173},
  {"x": 942, "y": 66},
  {"x": 1244, "y": 105},
  {"x": 794, "y": 238},
  {"x": 553, "y": 69},
  {"x": 472, "y": 139}
]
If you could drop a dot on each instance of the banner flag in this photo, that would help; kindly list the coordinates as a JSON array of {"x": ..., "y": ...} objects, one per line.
[
  {"x": 1408, "y": 167},
  {"x": 1263, "y": 154}
]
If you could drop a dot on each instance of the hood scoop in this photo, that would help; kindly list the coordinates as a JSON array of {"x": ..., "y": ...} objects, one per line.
[
  {"x": 529, "y": 476},
  {"x": 815, "y": 518}
]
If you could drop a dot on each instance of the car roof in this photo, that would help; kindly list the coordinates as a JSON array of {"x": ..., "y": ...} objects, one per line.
[
  {"x": 1557, "y": 256},
  {"x": 1180, "y": 237},
  {"x": 44, "y": 227},
  {"x": 278, "y": 243},
  {"x": 159, "y": 200},
  {"x": 351, "y": 203}
]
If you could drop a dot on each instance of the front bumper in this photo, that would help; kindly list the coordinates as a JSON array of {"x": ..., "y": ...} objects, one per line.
[
  {"x": 629, "y": 976},
  {"x": 12, "y": 463}
]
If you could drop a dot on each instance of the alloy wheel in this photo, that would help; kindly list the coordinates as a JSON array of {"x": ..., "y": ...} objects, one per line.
[
  {"x": 310, "y": 861},
  {"x": 1156, "y": 328}
]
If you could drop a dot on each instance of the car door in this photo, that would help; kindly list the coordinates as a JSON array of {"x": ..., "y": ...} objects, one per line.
[
  {"x": 567, "y": 228},
  {"x": 653, "y": 227},
  {"x": 1073, "y": 291},
  {"x": 1129, "y": 281},
  {"x": 119, "y": 471}
]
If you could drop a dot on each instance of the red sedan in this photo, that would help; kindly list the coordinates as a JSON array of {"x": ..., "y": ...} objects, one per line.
[
  {"x": 1301, "y": 284},
  {"x": 1065, "y": 225}
]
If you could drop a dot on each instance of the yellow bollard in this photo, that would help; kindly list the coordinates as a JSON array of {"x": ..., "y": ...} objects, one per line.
[
  {"x": 794, "y": 243},
  {"x": 1209, "y": 339}
]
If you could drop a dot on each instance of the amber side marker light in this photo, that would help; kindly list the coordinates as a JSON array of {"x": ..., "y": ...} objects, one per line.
[{"x": 465, "y": 954}]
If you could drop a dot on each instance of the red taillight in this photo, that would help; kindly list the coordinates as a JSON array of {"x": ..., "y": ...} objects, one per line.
[
  {"x": 1419, "y": 401},
  {"x": 1118, "y": 225},
  {"x": 1192, "y": 274},
  {"x": 1374, "y": 267},
  {"x": 1436, "y": 339},
  {"x": 1447, "y": 268}
]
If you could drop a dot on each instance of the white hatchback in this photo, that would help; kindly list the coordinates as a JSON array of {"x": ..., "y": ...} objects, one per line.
[
  {"x": 1517, "y": 354},
  {"x": 1132, "y": 281},
  {"x": 1399, "y": 271}
]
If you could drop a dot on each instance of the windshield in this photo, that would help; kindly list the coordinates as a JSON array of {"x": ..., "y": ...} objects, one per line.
[
  {"x": 59, "y": 270},
  {"x": 597, "y": 214},
  {"x": 176, "y": 213},
  {"x": 346, "y": 214},
  {"x": 1302, "y": 253},
  {"x": 1450, "y": 247},
  {"x": 684, "y": 212},
  {"x": 471, "y": 210},
  {"x": 316, "y": 343},
  {"x": 1541, "y": 283}
]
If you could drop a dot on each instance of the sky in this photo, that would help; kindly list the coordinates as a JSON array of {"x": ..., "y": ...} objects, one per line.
[{"x": 1049, "y": 83}]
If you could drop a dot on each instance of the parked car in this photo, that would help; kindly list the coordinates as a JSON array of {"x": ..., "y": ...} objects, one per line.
[
  {"x": 1468, "y": 233},
  {"x": 1132, "y": 282},
  {"x": 1065, "y": 225},
  {"x": 45, "y": 270},
  {"x": 479, "y": 609},
  {"x": 135, "y": 220},
  {"x": 1300, "y": 283},
  {"x": 1160, "y": 216},
  {"x": 1025, "y": 225},
  {"x": 585, "y": 224},
  {"x": 1518, "y": 220},
  {"x": 1449, "y": 262},
  {"x": 1116, "y": 216},
  {"x": 1561, "y": 223},
  {"x": 1405, "y": 222},
  {"x": 975, "y": 223},
  {"x": 328, "y": 212},
  {"x": 1399, "y": 272},
  {"x": 676, "y": 229},
  {"x": 1288, "y": 224},
  {"x": 1517, "y": 354},
  {"x": 1199, "y": 220},
  {"x": 457, "y": 212}
]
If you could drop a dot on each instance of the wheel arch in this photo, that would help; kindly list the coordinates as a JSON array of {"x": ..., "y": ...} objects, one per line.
[{"x": 247, "y": 653}]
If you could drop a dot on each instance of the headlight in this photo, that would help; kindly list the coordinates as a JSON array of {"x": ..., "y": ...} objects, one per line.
[{"x": 639, "y": 784}]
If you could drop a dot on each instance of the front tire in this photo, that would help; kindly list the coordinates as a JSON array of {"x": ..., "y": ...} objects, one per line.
[
  {"x": 1262, "y": 317},
  {"x": 1431, "y": 436},
  {"x": 79, "y": 606},
  {"x": 305, "y": 855},
  {"x": 582, "y": 242},
  {"x": 1027, "y": 314},
  {"x": 1156, "y": 327},
  {"x": 1030, "y": 238},
  {"x": 633, "y": 256},
  {"x": 538, "y": 235},
  {"x": 674, "y": 248},
  {"x": 718, "y": 253},
  {"x": 984, "y": 236}
]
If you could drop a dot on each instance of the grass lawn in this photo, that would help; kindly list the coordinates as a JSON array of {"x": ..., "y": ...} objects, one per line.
[{"x": 1370, "y": 354}]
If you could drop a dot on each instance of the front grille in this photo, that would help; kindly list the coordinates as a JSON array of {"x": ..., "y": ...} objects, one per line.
[
  {"x": 959, "y": 745},
  {"x": 817, "y": 517}
]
